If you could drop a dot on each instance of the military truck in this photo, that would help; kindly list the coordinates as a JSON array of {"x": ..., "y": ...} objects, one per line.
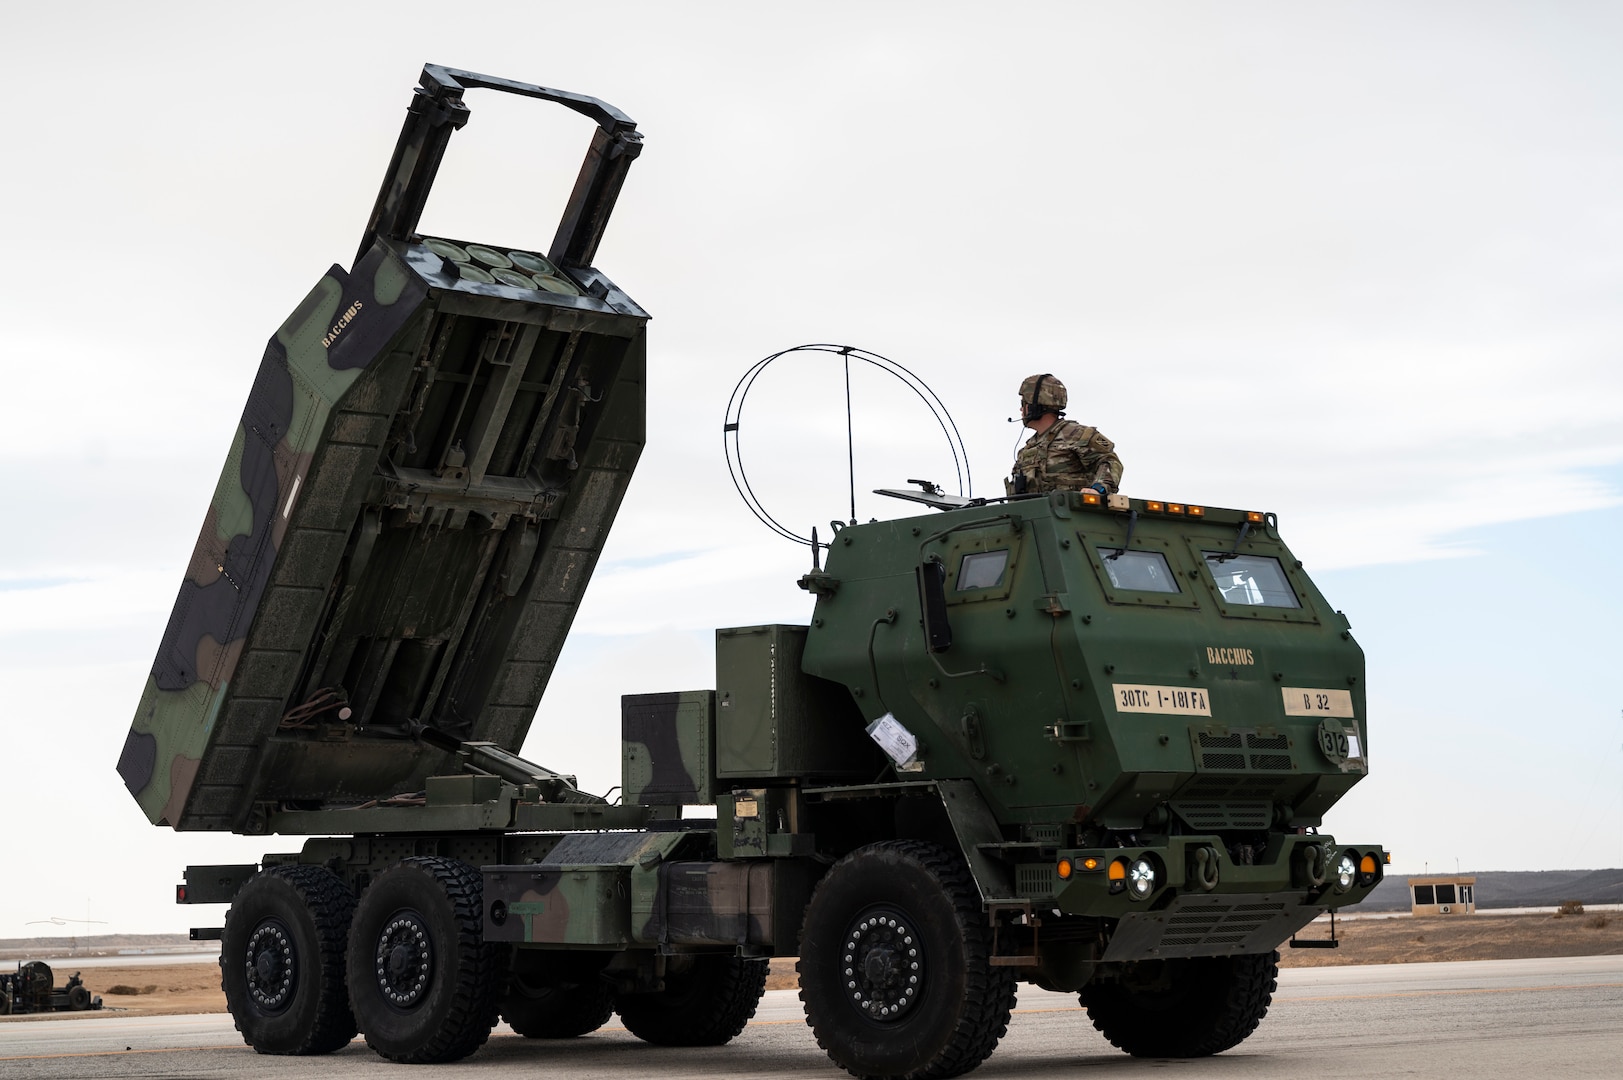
[{"x": 1077, "y": 741}]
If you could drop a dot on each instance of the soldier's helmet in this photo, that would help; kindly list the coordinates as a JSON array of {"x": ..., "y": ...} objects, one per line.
[{"x": 1044, "y": 391}]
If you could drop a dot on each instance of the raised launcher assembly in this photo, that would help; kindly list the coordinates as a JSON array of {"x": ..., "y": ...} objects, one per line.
[{"x": 433, "y": 450}]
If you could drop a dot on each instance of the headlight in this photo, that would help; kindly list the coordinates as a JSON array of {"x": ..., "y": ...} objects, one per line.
[
  {"x": 1346, "y": 870},
  {"x": 1140, "y": 879}
]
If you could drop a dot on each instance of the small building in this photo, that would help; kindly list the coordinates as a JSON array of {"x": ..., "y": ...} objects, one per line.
[{"x": 1442, "y": 894}]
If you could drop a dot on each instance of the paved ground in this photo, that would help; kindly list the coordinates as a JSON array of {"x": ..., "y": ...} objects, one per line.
[{"x": 1560, "y": 1017}]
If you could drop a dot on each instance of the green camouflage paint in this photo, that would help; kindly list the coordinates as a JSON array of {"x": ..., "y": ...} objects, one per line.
[{"x": 345, "y": 322}]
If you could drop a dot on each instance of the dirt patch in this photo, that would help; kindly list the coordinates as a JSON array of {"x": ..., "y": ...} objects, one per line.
[
  {"x": 149, "y": 990},
  {"x": 156, "y": 989},
  {"x": 782, "y": 974}
]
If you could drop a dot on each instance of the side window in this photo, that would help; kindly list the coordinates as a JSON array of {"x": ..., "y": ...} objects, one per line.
[
  {"x": 1140, "y": 571},
  {"x": 1424, "y": 895},
  {"x": 1445, "y": 894},
  {"x": 1251, "y": 580},
  {"x": 982, "y": 569}
]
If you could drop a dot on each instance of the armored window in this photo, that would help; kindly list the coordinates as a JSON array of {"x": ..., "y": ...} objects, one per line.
[
  {"x": 1254, "y": 580},
  {"x": 1424, "y": 895},
  {"x": 982, "y": 569},
  {"x": 1445, "y": 894},
  {"x": 1141, "y": 571}
]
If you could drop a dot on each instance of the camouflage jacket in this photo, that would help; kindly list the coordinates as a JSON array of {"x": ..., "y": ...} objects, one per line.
[{"x": 1068, "y": 457}]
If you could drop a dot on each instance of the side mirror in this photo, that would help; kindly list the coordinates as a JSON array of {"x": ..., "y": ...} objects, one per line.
[{"x": 932, "y": 576}]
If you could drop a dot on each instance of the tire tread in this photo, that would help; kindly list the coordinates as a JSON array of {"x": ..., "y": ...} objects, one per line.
[
  {"x": 990, "y": 993},
  {"x": 331, "y": 906},
  {"x": 727, "y": 997},
  {"x": 1241, "y": 997},
  {"x": 479, "y": 969}
]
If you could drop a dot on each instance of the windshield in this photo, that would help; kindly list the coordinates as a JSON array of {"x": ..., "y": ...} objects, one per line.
[
  {"x": 1142, "y": 571},
  {"x": 1255, "y": 580},
  {"x": 982, "y": 569}
]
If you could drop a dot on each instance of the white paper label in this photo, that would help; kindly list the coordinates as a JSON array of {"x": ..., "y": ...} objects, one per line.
[
  {"x": 1316, "y": 701},
  {"x": 1174, "y": 700},
  {"x": 894, "y": 739}
]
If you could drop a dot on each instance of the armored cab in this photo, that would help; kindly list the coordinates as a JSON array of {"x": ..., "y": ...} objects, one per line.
[
  {"x": 1153, "y": 700},
  {"x": 432, "y": 453}
]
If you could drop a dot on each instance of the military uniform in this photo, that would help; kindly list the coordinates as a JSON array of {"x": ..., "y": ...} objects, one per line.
[{"x": 1069, "y": 457}]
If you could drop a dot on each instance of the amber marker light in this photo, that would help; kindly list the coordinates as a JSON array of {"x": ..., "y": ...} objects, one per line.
[
  {"x": 1197, "y": 511},
  {"x": 1064, "y": 869},
  {"x": 1151, "y": 504},
  {"x": 1253, "y": 517},
  {"x": 1368, "y": 864},
  {"x": 1174, "y": 508},
  {"x": 1118, "y": 876},
  {"x": 1090, "y": 863},
  {"x": 1091, "y": 498}
]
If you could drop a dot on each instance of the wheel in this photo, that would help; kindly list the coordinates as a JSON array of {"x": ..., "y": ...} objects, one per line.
[
  {"x": 564, "y": 1011},
  {"x": 894, "y": 965},
  {"x": 705, "y": 1003},
  {"x": 422, "y": 980},
  {"x": 282, "y": 961},
  {"x": 78, "y": 998},
  {"x": 1184, "y": 1008}
]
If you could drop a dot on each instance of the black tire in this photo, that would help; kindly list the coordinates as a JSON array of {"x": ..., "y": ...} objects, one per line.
[
  {"x": 1184, "y": 1008},
  {"x": 565, "y": 1011},
  {"x": 707, "y": 1004},
  {"x": 282, "y": 961},
  {"x": 422, "y": 981},
  {"x": 890, "y": 913},
  {"x": 78, "y": 998}
]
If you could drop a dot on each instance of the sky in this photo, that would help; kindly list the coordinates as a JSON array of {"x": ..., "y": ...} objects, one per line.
[{"x": 1358, "y": 265}]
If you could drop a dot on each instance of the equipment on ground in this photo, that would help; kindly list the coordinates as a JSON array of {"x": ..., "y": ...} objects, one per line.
[
  {"x": 33, "y": 989},
  {"x": 1080, "y": 741}
]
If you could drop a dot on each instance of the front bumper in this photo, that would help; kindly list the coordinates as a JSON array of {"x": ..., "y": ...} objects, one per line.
[{"x": 1201, "y": 902}]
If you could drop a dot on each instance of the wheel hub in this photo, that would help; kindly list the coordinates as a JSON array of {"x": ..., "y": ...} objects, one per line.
[
  {"x": 882, "y": 965},
  {"x": 271, "y": 966},
  {"x": 404, "y": 960}
]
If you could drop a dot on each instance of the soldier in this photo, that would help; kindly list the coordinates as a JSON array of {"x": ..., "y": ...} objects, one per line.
[{"x": 1062, "y": 455}]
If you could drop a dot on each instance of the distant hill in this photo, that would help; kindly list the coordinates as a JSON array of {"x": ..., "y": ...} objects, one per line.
[
  {"x": 91, "y": 945},
  {"x": 1514, "y": 888}
]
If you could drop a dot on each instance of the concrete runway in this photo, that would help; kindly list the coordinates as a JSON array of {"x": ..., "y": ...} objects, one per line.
[{"x": 1556, "y": 1017}]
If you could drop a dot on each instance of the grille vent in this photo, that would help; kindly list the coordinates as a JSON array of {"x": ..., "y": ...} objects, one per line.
[
  {"x": 1204, "y": 816},
  {"x": 1217, "y": 752},
  {"x": 1035, "y": 880},
  {"x": 1045, "y": 833}
]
